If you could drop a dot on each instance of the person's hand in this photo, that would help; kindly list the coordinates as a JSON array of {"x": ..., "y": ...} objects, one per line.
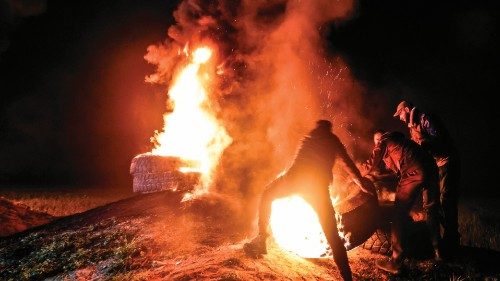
[{"x": 366, "y": 185}]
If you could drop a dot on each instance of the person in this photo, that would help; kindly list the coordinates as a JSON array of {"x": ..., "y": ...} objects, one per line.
[
  {"x": 429, "y": 132},
  {"x": 417, "y": 174},
  {"x": 309, "y": 176},
  {"x": 374, "y": 168}
]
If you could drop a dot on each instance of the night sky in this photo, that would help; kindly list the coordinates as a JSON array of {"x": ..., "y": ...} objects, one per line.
[{"x": 74, "y": 107}]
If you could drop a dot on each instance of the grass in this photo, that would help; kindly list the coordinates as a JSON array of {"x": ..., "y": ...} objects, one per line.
[
  {"x": 479, "y": 218},
  {"x": 63, "y": 201},
  {"x": 479, "y": 223},
  {"x": 113, "y": 249},
  {"x": 37, "y": 257}
]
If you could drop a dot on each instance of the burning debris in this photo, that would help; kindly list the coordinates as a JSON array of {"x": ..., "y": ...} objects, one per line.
[
  {"x": 245, "y": 79},
  {"x": 296, "y": 228},
  {"x": 269, "y": 79},
  {"x": 188, "y": 149}
]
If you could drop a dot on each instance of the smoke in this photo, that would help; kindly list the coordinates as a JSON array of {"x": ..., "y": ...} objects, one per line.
[{"x": 275, "y": 79}]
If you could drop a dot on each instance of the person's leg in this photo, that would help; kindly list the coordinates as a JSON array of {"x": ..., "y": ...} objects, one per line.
[
  {"x": 322, "y": 204},
  {"x": 406, "y": 193},
  {"x": 276, "y": 189},
  {"x": 430, "y": 201},
  {"x": 449, "y": 176},
  {"x": 405, "y": 197}
]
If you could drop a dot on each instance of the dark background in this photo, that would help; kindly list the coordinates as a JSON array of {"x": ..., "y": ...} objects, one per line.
[{"x": 74, "y": 108}]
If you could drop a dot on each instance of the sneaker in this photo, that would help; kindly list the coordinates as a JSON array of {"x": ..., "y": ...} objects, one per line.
[
  {"x": 257, "y": 247},
  {"x": 389, "y": 265}
]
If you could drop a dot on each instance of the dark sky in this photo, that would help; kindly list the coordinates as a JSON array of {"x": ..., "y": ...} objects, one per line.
[
  {"x": 443, "y": 57},
  {"x": 75, "y": 108}
]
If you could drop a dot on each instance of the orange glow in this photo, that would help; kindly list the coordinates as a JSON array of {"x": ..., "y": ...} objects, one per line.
[
  {"x": 296, "y": 228},
  {"x": 201, "y": 55},
  {"x": 191, "y": 131}
]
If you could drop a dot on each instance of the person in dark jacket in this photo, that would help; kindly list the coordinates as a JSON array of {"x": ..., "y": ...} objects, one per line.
[
  {"x": 310, "y": 176},
  {"x": 374, "y": 168},
  {"x": 429, "y": 132},
  {"x": 417, "y": 173}
]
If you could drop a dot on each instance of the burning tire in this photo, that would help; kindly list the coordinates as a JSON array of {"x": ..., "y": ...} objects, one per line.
[
  {"x": 360, "y": 217},
  {"x": 153, "y": 173}
]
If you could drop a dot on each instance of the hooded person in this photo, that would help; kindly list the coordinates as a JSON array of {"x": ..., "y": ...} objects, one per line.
[
  {"x": 429, "y": 132},
  {"x": 418, "y": 174},
  {"x": 309, "y": 176}
]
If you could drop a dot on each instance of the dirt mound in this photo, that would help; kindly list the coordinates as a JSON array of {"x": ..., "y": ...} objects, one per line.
[
  {"x": 157, "y": 237},
  {"x": 17, "y": 217}
]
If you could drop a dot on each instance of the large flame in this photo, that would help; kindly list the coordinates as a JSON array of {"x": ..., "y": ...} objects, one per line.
[
  {"x": 295, "y": 227},
  {"x": 191, "y": 132}
]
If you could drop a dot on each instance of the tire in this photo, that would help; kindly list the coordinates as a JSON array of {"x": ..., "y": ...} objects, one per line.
[
  {"x": 148, "y": 163},
  {"x": 359, "y": 223},
  {"x": 153, "y": 173},
  {"x": 379, "y": 242}
]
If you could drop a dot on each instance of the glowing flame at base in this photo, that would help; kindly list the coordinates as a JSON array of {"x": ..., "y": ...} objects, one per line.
[{"x": 296, "y": 228}]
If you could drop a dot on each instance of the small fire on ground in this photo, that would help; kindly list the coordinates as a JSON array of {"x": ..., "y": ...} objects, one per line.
[{"x": 295, "y": 227}]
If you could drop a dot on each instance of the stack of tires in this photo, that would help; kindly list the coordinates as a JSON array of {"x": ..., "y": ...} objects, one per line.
[{"x": 153, "y": 173}]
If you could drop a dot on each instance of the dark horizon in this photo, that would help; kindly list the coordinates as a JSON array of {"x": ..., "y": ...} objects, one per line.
[{"x": 75, "y": 108}]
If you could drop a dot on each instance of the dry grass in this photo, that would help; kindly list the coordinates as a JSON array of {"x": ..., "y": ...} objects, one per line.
[
  {"x": 479, "y": 223},
  {"x": 154, "y": 237},
  {"x": 63, "y": 201},
  {"x": 479, "y": 218}
]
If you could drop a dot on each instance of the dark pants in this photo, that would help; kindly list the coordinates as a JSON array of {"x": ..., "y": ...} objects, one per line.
[
  {"x": 409, "y": 187},
  {"x": 449, "y": 176},
  {"x": 315, "y": 192}
]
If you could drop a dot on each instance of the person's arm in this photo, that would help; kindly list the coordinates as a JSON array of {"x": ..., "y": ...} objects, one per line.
[
  {"x": 375, "y": 165},
  {"x": 351, "y": 169},
  {"x": 429, "y": 126},
  {"x": 429, "y": 133}
]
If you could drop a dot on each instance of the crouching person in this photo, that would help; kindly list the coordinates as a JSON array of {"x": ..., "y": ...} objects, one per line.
[
  {"x": 309, "y": 176},
  {"x": 418, "y": 174}
]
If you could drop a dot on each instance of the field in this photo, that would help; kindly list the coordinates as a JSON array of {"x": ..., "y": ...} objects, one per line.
[
  {"x": 63, "y": 200},
  {"x": 479, "y": 223},
  {"x": 479, "y": 218},
  {"x": 156, "y": 237}
]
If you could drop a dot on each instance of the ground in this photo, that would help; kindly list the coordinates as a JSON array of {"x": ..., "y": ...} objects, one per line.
[{"x": 156, "y": 237}]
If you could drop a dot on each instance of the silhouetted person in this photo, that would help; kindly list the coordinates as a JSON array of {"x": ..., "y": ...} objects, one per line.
[
  {"x": 418, "y": 173},
  {"x": 429, "y": 132},
  {"x": 310, "y": 176}
]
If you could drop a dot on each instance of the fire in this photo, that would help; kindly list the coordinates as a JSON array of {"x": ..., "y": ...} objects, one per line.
[
  {"x": 191, "y": 131},
  {"x": 296, "y": 228}
]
